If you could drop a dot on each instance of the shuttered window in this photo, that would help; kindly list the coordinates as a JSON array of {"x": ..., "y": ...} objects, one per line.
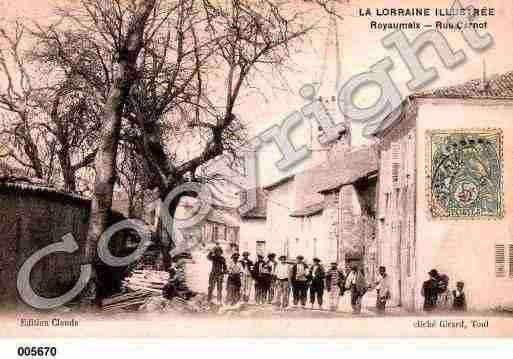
[
  {"x": 500, "y": 260},
  {"x": 511, "y": 260},
  {"x": 396, "y": 164}
]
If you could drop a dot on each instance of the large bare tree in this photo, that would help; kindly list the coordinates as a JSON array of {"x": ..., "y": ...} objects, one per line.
[
  {"x": 48, "y": 116},
  {"x": 168, "y": 76}
]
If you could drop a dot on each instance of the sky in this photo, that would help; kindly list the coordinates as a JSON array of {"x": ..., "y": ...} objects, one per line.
[{"x": 360, "y": 49}]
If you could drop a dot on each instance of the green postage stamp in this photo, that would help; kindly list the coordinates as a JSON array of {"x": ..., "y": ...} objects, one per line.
[{"x": 465, "y": 174}]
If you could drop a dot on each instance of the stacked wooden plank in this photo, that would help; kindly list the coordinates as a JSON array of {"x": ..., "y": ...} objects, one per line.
[
  {"x": 149, "y": 280},
  {"x": 126, "y": 301},
  {"x": 140, "y": 285}
]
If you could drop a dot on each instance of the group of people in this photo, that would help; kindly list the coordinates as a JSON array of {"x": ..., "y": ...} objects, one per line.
[
  {"x": 437, "y": 296},
  {"x": 274, "y": 280}
]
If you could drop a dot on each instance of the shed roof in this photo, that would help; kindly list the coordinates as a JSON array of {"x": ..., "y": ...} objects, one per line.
[
  {"x": 308, "y": 211},
  {"x": 37, "y": 186},
  {"x": 349, "y": 168},
  {"x": 278, "y": 183}
]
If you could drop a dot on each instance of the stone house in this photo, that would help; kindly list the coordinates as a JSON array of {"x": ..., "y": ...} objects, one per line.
[
  {"x": 327, "y": 211},
  {"x": 348, "y": 185},
  {"x": 445, "y": 192}
]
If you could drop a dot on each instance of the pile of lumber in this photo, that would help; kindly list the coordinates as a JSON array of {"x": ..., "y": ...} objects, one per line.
[
  {"x": 126, "y": 301},
  {"x": 149, "y": 280},
  {"x": 140, "y": 285}
]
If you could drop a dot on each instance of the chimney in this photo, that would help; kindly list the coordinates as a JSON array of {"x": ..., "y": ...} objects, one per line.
[{"x": 484, "y": 80}]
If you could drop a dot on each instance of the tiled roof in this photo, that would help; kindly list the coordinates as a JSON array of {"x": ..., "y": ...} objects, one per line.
[
  {"x": 497, "y": 87},
  {"x": 36, "y": 186},
  {"x": 349, "y": 168},
  {"x": 309, "y": 210},
  {"x": 222, "y": 217},
  {"x": 260, "y": 209},
  {"x": 279, "y": 182}
]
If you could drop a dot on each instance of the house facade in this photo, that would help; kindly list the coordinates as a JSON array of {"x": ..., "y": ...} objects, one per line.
[
  {"x": 349, "y": 189},
  {"x": 445, "y": 192}
]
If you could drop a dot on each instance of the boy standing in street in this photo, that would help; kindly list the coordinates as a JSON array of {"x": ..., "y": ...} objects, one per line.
[{"x": 334, "y": 283}]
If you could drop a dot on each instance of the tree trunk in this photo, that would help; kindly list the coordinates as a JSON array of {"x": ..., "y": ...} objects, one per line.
[
  {"x": 165, "y": 232},
  {"x": 68, "y": 174},
  {"x": 105, "y": 161}
]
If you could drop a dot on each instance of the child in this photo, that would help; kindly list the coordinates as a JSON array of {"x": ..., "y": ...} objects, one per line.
[
  {"x": 334, "y": 281},
  {"x": 459, "y": 301}
]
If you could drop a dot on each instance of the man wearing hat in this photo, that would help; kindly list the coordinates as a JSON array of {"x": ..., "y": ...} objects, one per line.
[
  {"x": 317, "y": 275},
  {"x": 299, "y": 281},
  {"x": 260, "y": 274},
  {"x": 217, "y": 273},
  {"x": 246, "y": 277},
  {"x": 271, "y": 263},
  {"x": 233, "y": 282},
  {"x": 430, "y": 290},
  {"x": 282, "y": 273}
]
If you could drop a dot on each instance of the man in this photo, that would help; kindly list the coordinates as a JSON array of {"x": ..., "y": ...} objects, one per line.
[
  {"x": 382, "y": 290},
  {"x": 317, "y": 275},
  {"x": 271, "y": 262},
  {"x": 259, "y": 274},
  {"x": 443, "y": 300},
  {"x": 334, "y": 283},
  {"x": 430, "y": 290},
  {"x": 233, "y": 283},
  {"x": 216, "y": 274},
  {"x": 246, "y": 277},
  {"x": 355, "y": 282},
  {"x": 282, "y": 273},
  {"x": 300, "y": 281}
]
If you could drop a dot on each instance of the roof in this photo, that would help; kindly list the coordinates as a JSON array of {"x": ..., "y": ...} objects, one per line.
[
  {"x": 222, "y": 217},
  {"x": 308, "y": 210},
  {"x": 496, "y": 87},
  {"x": 349, "y": 168},
  {"x": 189, "y": 206},
  {"x": 279, "y": 182},
  {"x": 260, "y": 209},
  {"x": 37, "y": 186}
]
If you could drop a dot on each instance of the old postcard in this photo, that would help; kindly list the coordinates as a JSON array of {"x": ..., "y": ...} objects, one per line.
[{"x": 256, "y": 168}]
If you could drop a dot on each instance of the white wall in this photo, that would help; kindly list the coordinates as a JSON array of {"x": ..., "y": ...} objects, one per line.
[
  {"x": 464, "y": 248},
  {"x": 251, "y": 231},
  {"x": 311, "y": 239}
]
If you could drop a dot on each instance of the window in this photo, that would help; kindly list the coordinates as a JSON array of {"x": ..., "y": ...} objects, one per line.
[
  {"x": 214, "y": 233},
  {"x": 396, "y": 163},
  {"x": 260, "y": 248},
  {"x": 511, "y": 260},
  {"x": 504, "y": 260}
]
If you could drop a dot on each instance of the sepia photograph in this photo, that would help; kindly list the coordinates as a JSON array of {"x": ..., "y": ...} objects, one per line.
[{"x": 256, "y": 168}]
